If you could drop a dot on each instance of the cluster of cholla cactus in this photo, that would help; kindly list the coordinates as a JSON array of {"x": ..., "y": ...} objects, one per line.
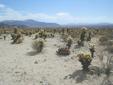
[
  {"x": 17, "y": 37},
  {"x": 85, "y": 60},
  {"x": 65, "y": 50},
  {"x": 38, "y": 45},
  {"x": 41, "y": 34},
  {"x": 86, "y": 57}
]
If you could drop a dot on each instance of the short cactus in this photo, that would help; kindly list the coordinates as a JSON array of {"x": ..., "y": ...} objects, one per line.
[{"x": 38, "y": 45}]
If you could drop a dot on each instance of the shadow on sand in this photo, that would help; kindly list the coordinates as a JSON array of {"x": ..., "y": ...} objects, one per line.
[
  {"x": 81, "y": 75},
  {"x": 32, "y": 53}
]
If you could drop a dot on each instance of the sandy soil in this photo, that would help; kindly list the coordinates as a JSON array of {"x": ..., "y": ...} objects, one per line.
[{"x": 20, "y": 65}]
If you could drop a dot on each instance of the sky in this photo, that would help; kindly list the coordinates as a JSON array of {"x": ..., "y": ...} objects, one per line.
[{"x": 58, "y": 11}]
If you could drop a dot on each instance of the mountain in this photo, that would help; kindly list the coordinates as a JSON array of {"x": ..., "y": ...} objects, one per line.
[
  {"x": 95, "y": 26},
  {"x": 32, "y": 23},
  {"x": 27, "y": 23}
]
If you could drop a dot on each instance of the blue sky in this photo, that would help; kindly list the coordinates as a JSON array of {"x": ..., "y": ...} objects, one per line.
[{"x": 59, "y": 11}]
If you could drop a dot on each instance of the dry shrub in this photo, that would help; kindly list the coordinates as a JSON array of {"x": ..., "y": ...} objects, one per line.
[
  {"x": 103, "y": 40},
  {"x": 19, "y": 41},
  {"x": 64, "y": 37},
  {"x": 109, "y": 48},
  {"x": 38, "y": 45},
  {"x": 106, "y": 66},
  {"x": 109, "y": 66},
  {"x": 106, "y": 69}
]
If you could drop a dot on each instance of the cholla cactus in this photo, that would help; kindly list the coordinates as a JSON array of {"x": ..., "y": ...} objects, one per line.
[
  {"x": 36, "y": 36},
  {"x": 82, "y": 36},
  {"x": 80, "y": 43},
  {"x": 63, "y": 51},
  {"x": 69, "y": 42},
  {"x": 89, "y": 37},
  {"x": 64, "y": 37},
  {"x": 92, "y": 50},
  {"x": 17, "y": 38},
  {"x": 85, "y": 60},
  {"x": 42, "y": 34},
  {"x": 38, "y": 45},
  {"x": 15, "y": 30}
]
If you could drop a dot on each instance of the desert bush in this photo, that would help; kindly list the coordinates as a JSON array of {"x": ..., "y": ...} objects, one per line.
[
  {"x": 108, "y": 43},
  {"x": 89, "y": 37},
  {"x": 69, "y": 42},
  {"x": 92, "y": 50},
  {"x": 17, "y": 38},
  {"x": 107, "y": 70},
  {"x": 82, "y": 36},
  {"x": 15, "y": 30},
  {"x": 80, "y": 43},
  {"x": 108, "y": 66},
  {"x": 36, "y": 36},
  {"x": 109, "y": 48},
  {"x": 38, "y": 45},
  {"x": 64, "y": 37},
  {"x": 103, "y": 39}
]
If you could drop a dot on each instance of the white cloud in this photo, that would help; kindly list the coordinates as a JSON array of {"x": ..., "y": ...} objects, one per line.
[
  {"x": 63, "y": 14},
  {"x": 2, "y": 6},
  {"x": 7, "y": 13}
]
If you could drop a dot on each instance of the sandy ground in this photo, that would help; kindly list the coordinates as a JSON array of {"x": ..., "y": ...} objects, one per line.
[{"x": 20, "y": 65}]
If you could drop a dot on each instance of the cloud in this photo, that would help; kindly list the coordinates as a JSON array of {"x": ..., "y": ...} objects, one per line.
[
  {"x": 7, "y": 13},
  {"x": 2, "y": 6}
]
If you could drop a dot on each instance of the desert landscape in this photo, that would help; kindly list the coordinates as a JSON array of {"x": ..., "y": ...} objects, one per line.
[
  {"x": 56, "y": 42},
  {"x": 52, "y": 56}
]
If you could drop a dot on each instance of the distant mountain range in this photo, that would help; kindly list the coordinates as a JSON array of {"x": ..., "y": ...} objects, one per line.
[
  {"x": 97, "y": 26},
  {"x": 27, "y": 23},
  {"x": 32, "y": 23}
]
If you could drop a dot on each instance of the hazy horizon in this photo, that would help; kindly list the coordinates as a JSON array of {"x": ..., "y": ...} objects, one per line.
[{"x": 58, "y": 11}]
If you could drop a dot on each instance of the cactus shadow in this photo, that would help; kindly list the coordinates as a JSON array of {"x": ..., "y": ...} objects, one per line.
[
  {"x": 32, "y": 53},
  {"x": 79, "y": 75}
]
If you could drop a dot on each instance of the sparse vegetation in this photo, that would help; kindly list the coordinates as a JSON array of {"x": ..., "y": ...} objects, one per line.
[{"x": 62, "y": 42}]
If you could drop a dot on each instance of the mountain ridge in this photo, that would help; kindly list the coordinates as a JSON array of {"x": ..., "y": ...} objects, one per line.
[{"x": 28, "y": 23}]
